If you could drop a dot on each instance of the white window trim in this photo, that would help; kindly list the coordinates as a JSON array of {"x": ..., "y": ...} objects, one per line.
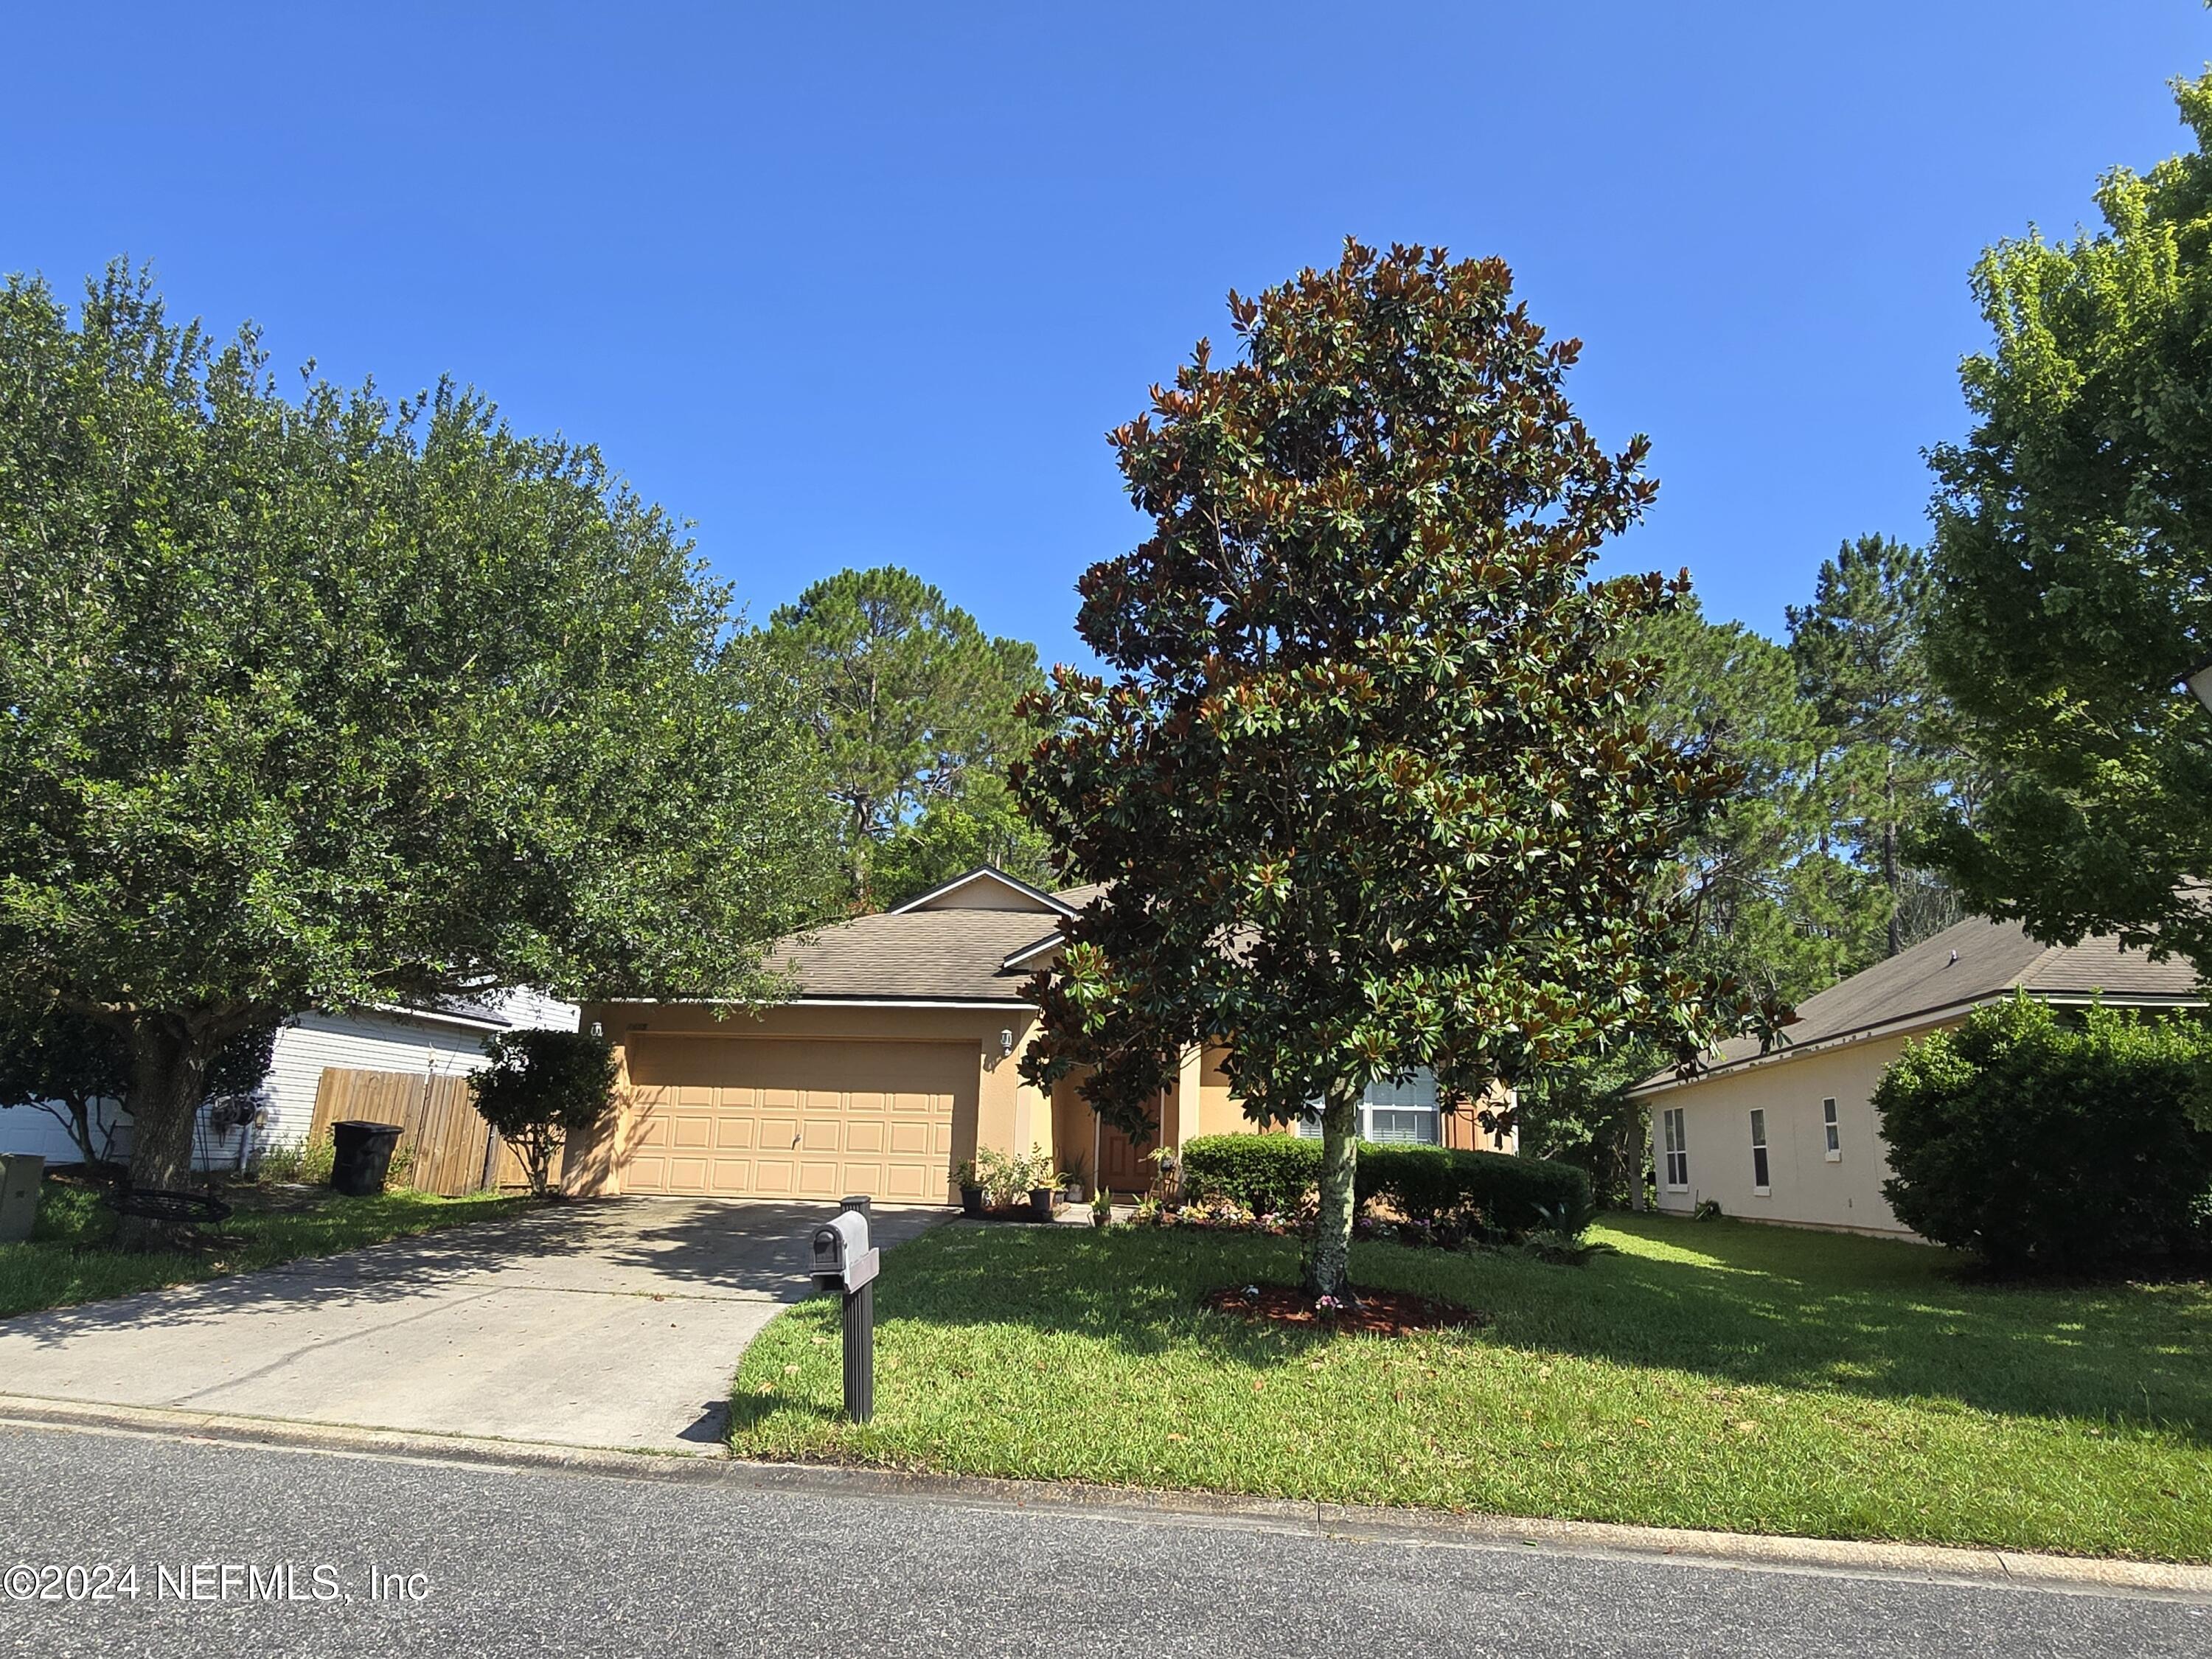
[
  {"x": 1309, "y": 1126},
  {"x": 1759, "y": 1144},
  {"x": 1832, "y": 1132},
  {"x": 1674, "y": 1144}
]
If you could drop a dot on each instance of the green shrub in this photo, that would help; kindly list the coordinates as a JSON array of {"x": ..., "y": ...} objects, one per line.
[
  {"x": 1510, "y": 1193},
  {"x": 2041, "y": 1146},
  {"x": 1274, "y": 1173},
  {"x": 1268, "y": 1175},
  {"x": 540, "y": 1088}
]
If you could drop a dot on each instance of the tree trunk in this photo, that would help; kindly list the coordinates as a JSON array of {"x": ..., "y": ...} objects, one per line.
[
  {"x": 1639, "y": 1153},
  {"x": 1889, "y": 848},
  {"x": 1328, "y": 1258},
  {"x": 1889, "y": 879},
  {"x": 168, "y": 1080}
]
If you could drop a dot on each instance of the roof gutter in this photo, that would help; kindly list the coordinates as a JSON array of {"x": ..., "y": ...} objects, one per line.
[
  {"x": 485, "y": 1022},
  {"x": 1902, "y": 1025}
]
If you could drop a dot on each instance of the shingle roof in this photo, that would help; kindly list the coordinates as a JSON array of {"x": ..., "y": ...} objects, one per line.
[
  {"x": 934, "y": 955},
  {"x": 1032, "y": 897},
  {"x": 1972, "y": 963}
]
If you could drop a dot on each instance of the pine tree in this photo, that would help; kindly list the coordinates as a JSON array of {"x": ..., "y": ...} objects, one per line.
[
  {"x": 913, "y": 706},
  {"x": 1888, "y": 750}
]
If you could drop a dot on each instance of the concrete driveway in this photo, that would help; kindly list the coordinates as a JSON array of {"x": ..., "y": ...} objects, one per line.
[{"x": 607, "y": 1322}]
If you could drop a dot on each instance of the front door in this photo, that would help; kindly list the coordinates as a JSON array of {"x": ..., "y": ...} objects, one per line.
[{"x": 1126, "y": 1166}]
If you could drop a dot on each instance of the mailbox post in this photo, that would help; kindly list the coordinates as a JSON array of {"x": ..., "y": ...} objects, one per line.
[{"x": 844, "y": 1259}]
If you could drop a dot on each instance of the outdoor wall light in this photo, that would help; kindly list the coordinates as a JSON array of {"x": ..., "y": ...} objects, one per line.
[{"x": 1006, "y": 1042}]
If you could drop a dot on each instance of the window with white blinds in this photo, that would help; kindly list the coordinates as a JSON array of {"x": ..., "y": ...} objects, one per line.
[{"x": 1393, "y": 1112}]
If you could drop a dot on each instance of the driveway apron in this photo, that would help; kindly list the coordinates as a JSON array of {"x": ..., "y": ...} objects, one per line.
[{"x": 606, "y": 1322}]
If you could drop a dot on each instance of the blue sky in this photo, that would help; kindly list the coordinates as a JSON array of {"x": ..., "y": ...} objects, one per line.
[{"x": 862, "y": 284}]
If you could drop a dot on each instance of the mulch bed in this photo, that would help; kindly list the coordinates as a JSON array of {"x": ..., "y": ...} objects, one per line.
[{"x": 1376, "y": 1313}]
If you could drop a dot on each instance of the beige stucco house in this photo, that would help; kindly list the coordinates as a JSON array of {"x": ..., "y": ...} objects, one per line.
[
  {"x": 898, "y": 1059},
  {"x": 1792, "y": 1136}
]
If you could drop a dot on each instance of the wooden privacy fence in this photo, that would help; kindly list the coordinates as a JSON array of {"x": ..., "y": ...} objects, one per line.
[{"x": 454, "y": 1149}]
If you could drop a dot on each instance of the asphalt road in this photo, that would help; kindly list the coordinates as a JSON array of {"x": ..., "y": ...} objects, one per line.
[{"x": 488, "y": 1561}]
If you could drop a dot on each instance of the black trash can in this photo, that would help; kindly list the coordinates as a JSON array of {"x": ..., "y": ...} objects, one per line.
[{"x": 362, "y": 1157}]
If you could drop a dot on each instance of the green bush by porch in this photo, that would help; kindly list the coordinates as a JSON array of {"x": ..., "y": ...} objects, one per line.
[
  {"x": 1719, "y": 1375},
  {"x": 1277, "y": 1173}
]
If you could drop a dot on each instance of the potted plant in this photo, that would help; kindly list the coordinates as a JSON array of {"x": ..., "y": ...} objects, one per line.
[
  {"x": 1043, "y": 1180},
  {"x": 1071, "y": 1182},
  {"x": 1000, "y": 1176},
  {"x": 1101, "y": 1208},
  {"x": 971, "y": 1189}
]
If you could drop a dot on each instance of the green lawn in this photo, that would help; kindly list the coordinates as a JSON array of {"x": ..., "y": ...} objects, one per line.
[
  {"x": 67, "y": 1259},
  {"x": 1714, "y": 1375}
]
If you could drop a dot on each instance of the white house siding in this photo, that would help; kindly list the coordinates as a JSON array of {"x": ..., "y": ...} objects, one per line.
[
  {"x": 368, "y": 1043},
  {"x": 1805, "y": 1187},
  {"x": 28, "y": 1129},
  {"x": 374, "y": 1040}
]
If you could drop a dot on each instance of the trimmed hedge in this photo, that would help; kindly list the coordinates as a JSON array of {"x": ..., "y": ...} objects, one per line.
[
  {"x": 1266, "y": 1174},
  {"x": 1275, "y": 1172},
  {"x": 1509, "y": 1191}
]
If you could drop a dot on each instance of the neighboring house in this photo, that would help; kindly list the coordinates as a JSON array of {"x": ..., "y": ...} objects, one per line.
[
  {"x": 422, "y": 1041},
  {"x": 1792, "y": 1136},
  {"x": 898, "y": 1059}
]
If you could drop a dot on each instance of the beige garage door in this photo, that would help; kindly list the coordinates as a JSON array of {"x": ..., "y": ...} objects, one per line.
[{"x": 761, "y": 1118}]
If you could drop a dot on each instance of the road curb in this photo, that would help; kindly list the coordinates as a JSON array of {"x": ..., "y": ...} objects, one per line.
[{"x": 2077, "y": 1575}]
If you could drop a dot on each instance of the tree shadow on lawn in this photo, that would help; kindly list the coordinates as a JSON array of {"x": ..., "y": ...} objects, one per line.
[{"x": 1727, "y": 1300}]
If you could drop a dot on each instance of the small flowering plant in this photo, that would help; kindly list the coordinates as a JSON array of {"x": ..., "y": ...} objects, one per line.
[{"x": 1327, "y": 1306}]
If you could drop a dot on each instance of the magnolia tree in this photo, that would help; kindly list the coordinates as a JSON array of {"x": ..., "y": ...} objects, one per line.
[
  {"x": 1367, "y": 785},
  {"x": 321, "y": 703}
]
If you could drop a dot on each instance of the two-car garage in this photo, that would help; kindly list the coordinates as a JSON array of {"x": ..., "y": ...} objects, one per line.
[
  {"x": 896, "y": 1054},
  {"x": 766, "y": 1117}
]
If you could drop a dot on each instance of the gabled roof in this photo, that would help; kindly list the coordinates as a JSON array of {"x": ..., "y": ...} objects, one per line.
[
  {"x": 985, "y": 888},
  {"x": 1976, "y": 961},
  {"x": 1074, "y": 898}
]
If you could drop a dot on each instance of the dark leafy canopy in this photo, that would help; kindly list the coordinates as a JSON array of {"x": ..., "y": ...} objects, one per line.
[
  {"x": 67, "y": 1064},
  {"x": 1369, "y": 787},
  {"x": 2074, "y": 566},
  {"x": 1778, "y": 904},
  {"x": 326, "y": 702},
  {"x": 914, "y": 706},
  {"x": 2042, "y": 1144}
]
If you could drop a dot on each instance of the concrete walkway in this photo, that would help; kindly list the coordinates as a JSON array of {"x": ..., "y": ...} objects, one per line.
[{"x": 612, "y": 1322}]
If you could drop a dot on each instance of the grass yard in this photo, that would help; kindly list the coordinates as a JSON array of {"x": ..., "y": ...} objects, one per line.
[
  {"x": 1712, "y": 1375},
  {"x": 66, "y": 1259}
]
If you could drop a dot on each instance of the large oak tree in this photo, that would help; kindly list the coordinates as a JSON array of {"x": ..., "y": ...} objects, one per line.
[
  {"x": 1368, "y": 784},
  {"x": 321, "y": 703},
  {"x": 2074, "y": 567}
]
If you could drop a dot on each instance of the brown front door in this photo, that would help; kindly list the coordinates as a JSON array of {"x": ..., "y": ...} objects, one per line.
[{"x": 1123, "y": 1166}]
